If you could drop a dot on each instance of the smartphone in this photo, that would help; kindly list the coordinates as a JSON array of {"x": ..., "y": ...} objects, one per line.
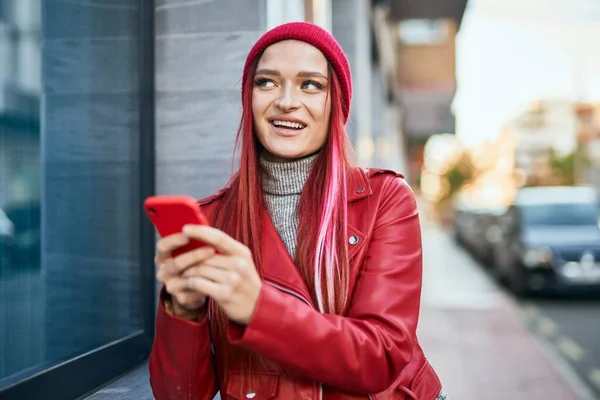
[{"x": 169, "y": 214}]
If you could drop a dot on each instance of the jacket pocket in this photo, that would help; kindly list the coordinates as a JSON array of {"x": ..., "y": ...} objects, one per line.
[
  {"x": 264, "y": 387},
  {"x": 425, "y": 385}
]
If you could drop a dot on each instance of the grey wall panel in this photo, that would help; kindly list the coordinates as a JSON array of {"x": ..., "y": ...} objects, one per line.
[
  {"x": 211, "y": 61},
  {"x": 189, "y": 17},
  {"x": 196, "y": 122},
  {"x": 90, "y": 175},
  {"x": 200, "y": 52},
  {"x": 90, "y": 65},
  {"x": 80, "y": 18}
]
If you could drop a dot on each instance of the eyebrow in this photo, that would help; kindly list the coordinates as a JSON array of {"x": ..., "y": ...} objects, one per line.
[{"x": 304, "y": 74}]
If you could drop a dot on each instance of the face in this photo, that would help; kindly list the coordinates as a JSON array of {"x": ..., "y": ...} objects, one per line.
[{"x": 290, "y": 104}]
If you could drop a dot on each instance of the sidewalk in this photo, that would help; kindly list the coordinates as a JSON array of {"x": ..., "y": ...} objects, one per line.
[{"x": 473, "y": 336}]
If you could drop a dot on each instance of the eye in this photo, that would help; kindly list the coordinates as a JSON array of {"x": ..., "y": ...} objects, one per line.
[
  {"x": 264, "y": 83},
  {"x": 311, "y": 85}
]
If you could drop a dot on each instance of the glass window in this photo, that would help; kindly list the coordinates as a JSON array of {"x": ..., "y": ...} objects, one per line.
[
  {"x": 69, "y": 180},
  {"x": 422, "y": 32},
  {"x": 561, "y": 214}
]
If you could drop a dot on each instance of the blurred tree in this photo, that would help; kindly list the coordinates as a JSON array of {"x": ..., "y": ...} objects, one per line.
[
  {"x": 458, "y": 173},
  {"x": 567, "y": 168}
]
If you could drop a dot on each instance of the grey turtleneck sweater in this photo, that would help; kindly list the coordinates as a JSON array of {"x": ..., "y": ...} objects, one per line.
[{"x": 282, "y": 184}]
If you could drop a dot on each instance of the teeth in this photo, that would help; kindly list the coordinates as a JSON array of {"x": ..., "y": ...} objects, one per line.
[{"x": 288, "y": 124}]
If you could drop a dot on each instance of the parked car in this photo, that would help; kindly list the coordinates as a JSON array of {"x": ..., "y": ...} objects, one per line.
[
  {"x": 549, "y": 239},
  {"x": 475, "y": 229}
]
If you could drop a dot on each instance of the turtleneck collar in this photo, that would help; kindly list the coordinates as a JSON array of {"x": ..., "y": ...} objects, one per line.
[{"x": 286, "y": 177}]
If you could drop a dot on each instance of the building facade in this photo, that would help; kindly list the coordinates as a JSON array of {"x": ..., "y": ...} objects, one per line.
[
  {"x": 100, "y": 107},
  {"x": 424, "y": 40}
]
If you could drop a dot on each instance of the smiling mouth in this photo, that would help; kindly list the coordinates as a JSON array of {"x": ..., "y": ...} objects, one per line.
[{"x": 288, "y": 125}]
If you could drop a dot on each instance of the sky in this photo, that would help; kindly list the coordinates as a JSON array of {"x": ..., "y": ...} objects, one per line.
[{"x": 513, "y": 52}]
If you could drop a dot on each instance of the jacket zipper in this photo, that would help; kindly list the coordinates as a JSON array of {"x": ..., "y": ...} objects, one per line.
[
  {"x": 289, "y": 291},
  {"x": 305, "y": 300}
]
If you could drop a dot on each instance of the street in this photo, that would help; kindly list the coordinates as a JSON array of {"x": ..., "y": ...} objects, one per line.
[
  {"x": 567, "y": 328},
  {"x": 485, "y": 344},
  {"x": 571, "y": 328}
]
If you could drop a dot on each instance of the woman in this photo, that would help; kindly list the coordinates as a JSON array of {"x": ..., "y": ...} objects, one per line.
[{"x": 313, "y": 266}]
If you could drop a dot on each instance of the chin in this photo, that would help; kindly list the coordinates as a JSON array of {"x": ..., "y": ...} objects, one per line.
[
  {"x": 289, "y": 154},
  {"x": 287, "y": 148}
]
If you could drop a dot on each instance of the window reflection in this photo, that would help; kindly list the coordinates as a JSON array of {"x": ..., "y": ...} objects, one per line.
[
  {"x": 20, "y": 238},
  {"x": 69, "y": 181}
]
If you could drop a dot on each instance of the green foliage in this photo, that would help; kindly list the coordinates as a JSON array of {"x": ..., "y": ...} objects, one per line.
[
  {"x": 566, "y": 167},
  {"x": 457, "y": 175}
]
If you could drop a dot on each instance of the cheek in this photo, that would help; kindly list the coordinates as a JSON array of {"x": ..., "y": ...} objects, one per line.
[
  {"x": 259, "y": 108},
  {"x": 256, "y": 107},
  {"x": 321, "y": 113}
]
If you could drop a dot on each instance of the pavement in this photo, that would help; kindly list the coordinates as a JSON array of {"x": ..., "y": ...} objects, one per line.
[{"x": 477, "y": 337}]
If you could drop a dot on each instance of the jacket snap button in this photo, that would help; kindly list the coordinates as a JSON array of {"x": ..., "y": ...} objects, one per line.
[
  {"x": 250, "y": 394},
  {"x": 353, "y": 240},
  {"x": 360, "y": 189}
]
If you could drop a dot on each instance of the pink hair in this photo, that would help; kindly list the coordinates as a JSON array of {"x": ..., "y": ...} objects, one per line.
[
  {"x": 325, "y": 248},
  {"x": 321, "y": 251}
]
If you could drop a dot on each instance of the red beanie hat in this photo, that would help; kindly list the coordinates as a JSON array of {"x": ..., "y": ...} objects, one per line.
[{"x": 317, "y": 37}]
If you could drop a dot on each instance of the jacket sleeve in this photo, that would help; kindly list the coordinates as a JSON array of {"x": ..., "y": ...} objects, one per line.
[
  {"x": 180, "y": 361},
  {"x": 365, "y": 351}
]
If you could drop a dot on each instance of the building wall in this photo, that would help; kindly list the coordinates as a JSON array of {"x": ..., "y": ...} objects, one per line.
[
  {"x": 429, "y": 65},
  {"x": 589, "y": 135},
  {"x": 200, "y": 51},
  {"x": 90, "y": 198},
  {"x": 69, "y": 140},
  {"x": 551, "y": 124},
  {"x": 350, "y": 26},
  {"x": 281, "y": 11},
  {"x": 318, "y": 12}
]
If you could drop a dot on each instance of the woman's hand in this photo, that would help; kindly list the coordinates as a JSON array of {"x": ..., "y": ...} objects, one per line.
[
  {"x": 228, "y": 278},
  {"x": 186, "y": 299}
]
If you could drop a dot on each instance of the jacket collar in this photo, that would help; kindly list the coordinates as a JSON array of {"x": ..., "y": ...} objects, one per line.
[
  {"x": 358, "y": 186},
  {"x": 278, "y": 268}
]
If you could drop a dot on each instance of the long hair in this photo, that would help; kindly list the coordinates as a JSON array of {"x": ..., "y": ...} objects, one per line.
[{"x": 322, "y": 251}]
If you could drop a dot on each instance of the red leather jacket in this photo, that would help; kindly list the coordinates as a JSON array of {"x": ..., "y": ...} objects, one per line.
[{"x": 371, "y": 353}]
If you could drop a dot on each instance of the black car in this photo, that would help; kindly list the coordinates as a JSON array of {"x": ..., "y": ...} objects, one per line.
[
  {"x": 550, "y": 240},
  {"x": 474, "y": 228}
]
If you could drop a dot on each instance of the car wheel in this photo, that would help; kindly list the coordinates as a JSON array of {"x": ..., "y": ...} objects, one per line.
[
  {"x": 498, "y": 267},
  {"x": 518, "y": 281}
]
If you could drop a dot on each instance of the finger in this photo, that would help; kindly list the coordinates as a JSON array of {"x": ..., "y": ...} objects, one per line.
[
  {"x": 190, "y": 300},
  {"x": 166, "y": 245},
  {"x": 176, "y": 284},
  {"x": 215, "y": 291},
  {"x": 235, "y": 264},
  {"x": 214, "y": 274},
  {"x": 179, "y": 285},
  {"x": 166, "y": 271},
  {"x": 192, "y": 257},
  {"x": 216, "y": 238}
]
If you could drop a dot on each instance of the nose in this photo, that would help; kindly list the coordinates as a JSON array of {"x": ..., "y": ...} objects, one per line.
[{"x": 287, "y": 100}]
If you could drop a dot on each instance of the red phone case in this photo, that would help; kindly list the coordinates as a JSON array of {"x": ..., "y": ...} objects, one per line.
[{"x": 170, "y": 214}]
